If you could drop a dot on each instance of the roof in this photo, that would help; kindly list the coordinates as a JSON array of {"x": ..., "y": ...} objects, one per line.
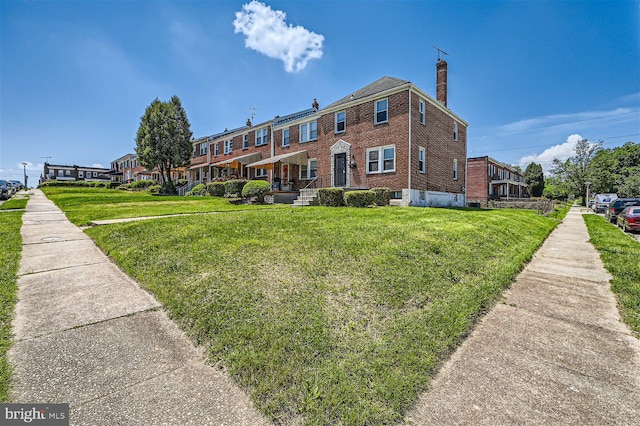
[
  {"x": 380, "y": 85},
  {"x": 296, "y": 115}
]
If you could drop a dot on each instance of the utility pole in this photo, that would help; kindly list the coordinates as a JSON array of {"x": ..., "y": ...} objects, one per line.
[
  {"x": 586, "y": 203},
  {"x": 24, "y": 166}
]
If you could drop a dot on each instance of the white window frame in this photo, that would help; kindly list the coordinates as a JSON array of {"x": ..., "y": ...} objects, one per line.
[
  {"x": 262, "y": 136},
  {"x": 67, "y": 172},
  {"x": 228, "y": 146},
  {"x": 455, "y": 169},
  {"x": 380, "y": 160},
  {"x": 261, "y": 172},
  {"x": 95, "y": 174},
  {"x": 203, "y": 149},
  {"x": 310, "y": 170},
  {"x": 377, "y": 111},
  {"x": 422, "y": 160},
  {"x": 309, "y": 131},
  {"x": 339, "y": 121},
  {"x": 245, "y": 141},
  {"x": 215, "y": 150},
  {"x": 422, "y": 111},
  {"x": 80, "y": 174},
  {"x": 455, "y": 131},
  {"x": 286, "y": 138}
]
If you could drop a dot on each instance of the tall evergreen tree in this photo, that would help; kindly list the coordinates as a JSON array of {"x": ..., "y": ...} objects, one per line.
[
  {"x": 163, "y": 139},
  {"x": 534, "y": 178}
]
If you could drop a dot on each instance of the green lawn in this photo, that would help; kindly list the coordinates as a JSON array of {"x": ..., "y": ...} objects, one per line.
[
  {"x": 10, "y": 252},
  {"x": 83, "y": 205},
  {"x": 620, "y": 254},
  {"x": 15, "y": 203},
  {"x": 325, "y": 315}
]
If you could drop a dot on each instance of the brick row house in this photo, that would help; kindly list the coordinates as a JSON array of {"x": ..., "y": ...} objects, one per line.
[
  {"x": 489, "y": 179},
  {"x": 389, "y": 134},
  {"x": 74, "y": 173},
  {"x": 127, "y": 169}
]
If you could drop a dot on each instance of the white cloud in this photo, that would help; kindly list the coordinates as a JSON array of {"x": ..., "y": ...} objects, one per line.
[
  {"x": 98, "y": 165},
  {"x": 267, "y": 32},
  {"x": 562, "y": 152}
]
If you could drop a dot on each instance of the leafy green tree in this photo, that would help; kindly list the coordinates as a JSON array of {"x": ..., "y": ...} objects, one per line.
[
  {"x": 534, "y": 178},
  {"x": 617, "y": 170},
  {"x": 554, "y": 189},
  {"x": 573, "y": 173},
  {"x": 164, "y": 139}
]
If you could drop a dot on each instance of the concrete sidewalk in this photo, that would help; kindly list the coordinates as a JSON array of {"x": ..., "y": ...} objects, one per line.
[
  {"x": 87, "y": 335},
  {"x": 556, "y": 352}
]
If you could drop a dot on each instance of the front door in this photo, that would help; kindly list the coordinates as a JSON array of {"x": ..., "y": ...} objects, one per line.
[{"x": 340, "y": 170}]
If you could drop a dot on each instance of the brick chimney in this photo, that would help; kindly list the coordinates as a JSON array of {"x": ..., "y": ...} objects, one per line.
[{"x": 441, "y": 82}]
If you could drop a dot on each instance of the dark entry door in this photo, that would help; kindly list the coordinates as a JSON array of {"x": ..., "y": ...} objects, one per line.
[{"x": 340, "y": 170}]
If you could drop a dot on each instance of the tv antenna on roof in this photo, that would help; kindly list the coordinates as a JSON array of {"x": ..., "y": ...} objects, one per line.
[
  {"x": 47, "y": 159},
  {"x": 253, "y": 113},
  {"x": 439, "y": 51}
]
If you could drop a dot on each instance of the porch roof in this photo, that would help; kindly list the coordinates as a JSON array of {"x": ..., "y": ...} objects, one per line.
[
  {"x": 244, "y": 159},
  {"x": 198, "y": 166},
  {"x": 298, "y": 157}
]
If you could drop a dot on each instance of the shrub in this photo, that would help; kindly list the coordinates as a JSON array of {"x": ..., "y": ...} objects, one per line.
[
  {"x": 112, "y": 185},
  {"x": 331, "y": 197},
  {"x": 141, "y": 184},
  {"x": 256, "y": 188},
  {"x": 216, "y": 189},
  {"x": 383, "y": 196},
  {"x": 233, "y": 188},
  {"x": 360, "y": 198},
  {"x": 182, "y": 182},
  {"x": 200, "y": 189},
  {"x": 155, "y": 189}
]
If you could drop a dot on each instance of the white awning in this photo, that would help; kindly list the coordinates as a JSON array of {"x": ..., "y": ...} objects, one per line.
[
  {"x": 242, "y": 159},
  {"x": 298, "y": 157}
]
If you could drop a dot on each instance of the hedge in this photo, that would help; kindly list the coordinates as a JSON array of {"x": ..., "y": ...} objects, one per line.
[
  {"x": 215, "y": 189},
  {"x": 81, "y": 183},
  {"x": 233, "y": 188},
  {"x": 383, "y": 196},
  {"x": 360, "y": 198},
  {"x": 331, "y": 197},
  {"x": 155, "y": 189},
  {"x": 142, "y": 184},
  {"x": 200, "y": 189},
  {"x": 256, "y": 188}
]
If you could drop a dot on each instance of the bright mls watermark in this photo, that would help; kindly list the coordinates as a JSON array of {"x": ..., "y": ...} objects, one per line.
[{"x": 35, "y": 414}]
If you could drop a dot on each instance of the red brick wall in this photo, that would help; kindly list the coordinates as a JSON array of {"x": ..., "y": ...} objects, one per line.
[{"x": 477, "y": 182}]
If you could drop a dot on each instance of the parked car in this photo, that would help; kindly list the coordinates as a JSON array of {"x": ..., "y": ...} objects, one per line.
[
  {"x": 617, "y": 205},
  {"x": 19, "y": 186},
  {"x": 629, "y": 219},
  {"x": 5, "y": 191},
  {"x": 14, "y": 185},
  {"x": 590, "y": 205},
  {"x": 602, "y": 202}
]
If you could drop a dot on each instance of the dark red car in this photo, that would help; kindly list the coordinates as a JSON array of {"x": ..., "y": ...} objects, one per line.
[{"x": 629, "y": 219}]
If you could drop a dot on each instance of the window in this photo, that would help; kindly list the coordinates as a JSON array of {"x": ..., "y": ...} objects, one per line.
[
  {"x": 421, "y": 111},
  {"x": 309, "y": 131},
  {"x": 261, "y": 172},
  {"x": 80, "y": 173},
  {"x": 455, "y": 130},
  {"x": 455, "y": 169},
  {"x": 381, "y": 160},
  {"x": 67, "y": 172},
  {"x": 203, "y": 148},
  {"x": 341, "y": 119},
  {"x": 95, "y": 174},
  {"x": 52, "y": 172},
  {"x": 382, "y": 111},
  {"x": 261, "y": 136},
  {"x": 421, "y": 164},
  {"x": 215, "y": 149},
  {"x": 309, "y": 170},
  {"x": 228, "y": 147},
  {"x": 285, "y": 137},
  {"x": 245, "y": 142}
]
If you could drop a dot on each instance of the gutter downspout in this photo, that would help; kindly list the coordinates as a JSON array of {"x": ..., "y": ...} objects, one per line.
[{"x": 409, "y": 168}]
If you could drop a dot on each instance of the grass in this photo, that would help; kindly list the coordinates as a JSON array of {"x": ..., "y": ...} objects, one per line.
[
  {"x": 10, "y": 252},
  {"x": 328, "y": 315},
  {"x": 83, "y": 205},
  {"x": 15, "y": 203},
  {"x": 620, "y": 254}
]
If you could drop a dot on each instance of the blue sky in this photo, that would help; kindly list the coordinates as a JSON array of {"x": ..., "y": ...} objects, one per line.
[{"x": 530, "y": 77}]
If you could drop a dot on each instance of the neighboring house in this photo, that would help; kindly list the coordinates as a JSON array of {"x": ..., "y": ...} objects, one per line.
[
  {"x": 387, "y": 134},
  {"x": 73, "y": 173},
  {"x": 118, "y": 167},
  {"x": 489, "y": 179}
]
